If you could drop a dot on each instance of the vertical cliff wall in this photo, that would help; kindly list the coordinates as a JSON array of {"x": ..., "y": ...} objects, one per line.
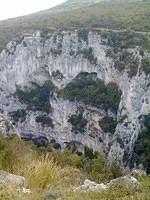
[{"x": 31, "y": 61}]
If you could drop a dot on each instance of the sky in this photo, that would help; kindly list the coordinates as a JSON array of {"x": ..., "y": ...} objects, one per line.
[{"x": 14, "y": 8}]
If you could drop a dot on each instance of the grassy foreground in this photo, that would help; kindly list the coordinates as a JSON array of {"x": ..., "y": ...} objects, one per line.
[{"x": 53, "y": 174}]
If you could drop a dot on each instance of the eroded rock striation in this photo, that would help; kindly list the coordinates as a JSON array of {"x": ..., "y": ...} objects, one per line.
[{"x": 34, "y": 70}]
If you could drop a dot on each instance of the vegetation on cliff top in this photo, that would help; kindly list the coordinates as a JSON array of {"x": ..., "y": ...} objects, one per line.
[{"x": 128, "y": 15}]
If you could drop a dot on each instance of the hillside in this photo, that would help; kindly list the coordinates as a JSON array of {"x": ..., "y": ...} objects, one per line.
[
  {"x": 131, "y": 15},
  {"x": 75, "y": 102}
]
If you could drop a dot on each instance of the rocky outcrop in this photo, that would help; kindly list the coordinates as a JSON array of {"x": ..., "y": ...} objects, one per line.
[
  {"x": 126, "y": 181},
  {"x": 6, "y": 127},
  {"x": 7, "y": 178},
  {"x": 60, "y": 57},
  {"x": 91, "y": 186}
]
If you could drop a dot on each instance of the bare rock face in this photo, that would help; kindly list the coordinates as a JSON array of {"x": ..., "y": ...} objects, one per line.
[
  {"x": 60, "y": 57},
  {"x": 6, "y": 127}
]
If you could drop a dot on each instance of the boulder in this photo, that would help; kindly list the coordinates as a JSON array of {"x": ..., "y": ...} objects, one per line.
[
  {"x": 7, "y": 178},
  {"x": 92, "y": 186},
  {"x": 128, "y": 181}
]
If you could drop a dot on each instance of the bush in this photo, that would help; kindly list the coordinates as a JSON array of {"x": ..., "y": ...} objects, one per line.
[
  {"x": 83, "y": 35},
  {"x": 18, "y": 115},
  {"x": 142, "y": 145},
  {"x": 45, "y": 120},
  {"x": 99, "y": 170},
  {"x": 78, "y": 123},
  {"x": 146, "y": 65},
  {"x": 126, "y": 60},
  {"x": 93, "y": 164},
  {"x": 89, "y": 153},
  {"x": 92, "y": 92},
  {"x": 37, "y": 98},
  {"x": 108, "y": 124},
  {"x": 67, "y": 158},
  {"x": 88, "y": 54}
]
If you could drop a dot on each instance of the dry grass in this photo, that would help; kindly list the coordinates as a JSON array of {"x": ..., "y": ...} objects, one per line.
[
  {"x": 43, "y": 172},
  {"x": 49, "y": 180}
]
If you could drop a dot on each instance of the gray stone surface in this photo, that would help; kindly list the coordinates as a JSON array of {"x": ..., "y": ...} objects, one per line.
[
  {"x": 126, "y": 181},
  {"x": 7, "y": 178},
  {"x": 34, "y": 60}
]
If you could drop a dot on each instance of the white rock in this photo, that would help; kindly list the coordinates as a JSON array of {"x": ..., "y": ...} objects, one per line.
[
  {"x": 7, "y": 178},
  {"x": 26, "y": 191},
  {"x": 36, "y": 61}
]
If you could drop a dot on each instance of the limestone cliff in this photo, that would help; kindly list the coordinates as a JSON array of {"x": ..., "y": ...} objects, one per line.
[{"x": 60, "y": 57}]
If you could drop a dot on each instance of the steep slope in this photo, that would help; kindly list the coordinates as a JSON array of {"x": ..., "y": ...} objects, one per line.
[
  {"x": 38, "y": 74},
  {"x": 75, "y": 87},
  {"x": 132, "y": 15}
]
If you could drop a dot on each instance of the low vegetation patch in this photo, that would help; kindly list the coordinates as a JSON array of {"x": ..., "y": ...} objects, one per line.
[
  {"x": 83, "y": 35},
  {"x": 45, "y": 120},
  {"x": 92, "y": 92},
  {"x": 142, "y": 145},
  {"x": 36, "y": 98},
  {"x": 108, "y": 124},
  {"x": 127, "y": 61},
  {"x": 146, "y": 65},
  {"x": 125, "y": 40},
  {"x": 19, "y": 115},
  {"x": 53, "y": 174},
  {"x": 78, "y": 123},
  {"x": 88, "y": 54}
]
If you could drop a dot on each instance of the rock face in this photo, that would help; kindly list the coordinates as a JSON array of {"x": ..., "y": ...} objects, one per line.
[
  {"x": 6, "y": 127},
  {"x": 60, "y": 57}
]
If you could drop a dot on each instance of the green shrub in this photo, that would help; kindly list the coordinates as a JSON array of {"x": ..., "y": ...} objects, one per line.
[
  {"x": 146, "y": 65},
  {"x": 83, "y": 35},
  {"x": 99, "y": 170},
  {"x": 45, "y": 120},
  {"x": 37, "y": 98},
  {"x": 18, "y": 115},
  {"x": 124, "y": 40},
  {"x": 93, "y": 164},
  {"x": 142, "y": 145},
  {"x": 108, "y": 124},
  {"x": 89, "y": 153},
  {"x": 78, "y": 123},
  {"x": 126, "y": 60},
  {"x": 88, "y": 54},
  {"x": 92, "y": 92},
  {"x": 68, "y": 158}
]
